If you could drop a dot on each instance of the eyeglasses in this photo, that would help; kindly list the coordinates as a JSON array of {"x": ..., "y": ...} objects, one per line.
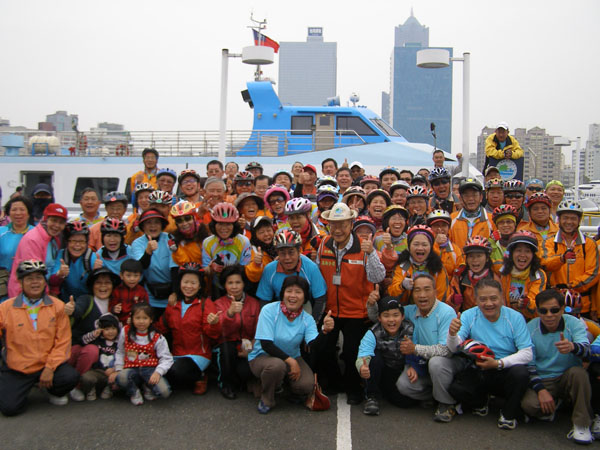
[
  {"x": 513, "y": 195},
  {"x": 77, "y": 241},
  {"x": 440, "y": 182},
  {"x": 544, "y": 311},
  {"x": 275, "y": 200},
  {"x": 183, "y": 219},
  {"x": 189, "y": 180},
  {"x": 535, "y": 189}
]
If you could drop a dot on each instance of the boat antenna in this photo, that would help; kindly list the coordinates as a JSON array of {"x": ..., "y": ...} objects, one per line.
[{"x": 258, "y": 26}]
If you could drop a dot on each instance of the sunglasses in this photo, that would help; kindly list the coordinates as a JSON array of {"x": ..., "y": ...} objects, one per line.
[
  {"x": 183, "y": 219},
  {"x": 544, "y": 311},
  {"x": 513, "y": 195},
  {"x": 535, "y": 189},
  {"x": 440, "y": 182},
  {"x": 273, "y": 201},
  {"x": 243, "y": 183}
]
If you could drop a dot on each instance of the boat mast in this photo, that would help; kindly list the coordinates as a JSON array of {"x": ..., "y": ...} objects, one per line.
[{"x": 258, "y": 26}]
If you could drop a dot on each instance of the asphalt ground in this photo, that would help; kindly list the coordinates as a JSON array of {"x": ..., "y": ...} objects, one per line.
[{"x": 185, "y": 421}]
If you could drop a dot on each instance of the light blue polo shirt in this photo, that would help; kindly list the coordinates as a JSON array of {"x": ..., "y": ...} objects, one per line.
[
  {"x": 550, "y": 363},
  {"x": 505, "y": 336},
  {"x": 433, "y": 329},
  {"x": 274, "y": 326}
]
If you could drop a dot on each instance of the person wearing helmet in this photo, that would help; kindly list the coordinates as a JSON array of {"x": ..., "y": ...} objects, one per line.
[
  {"x": 327, "y": 180},
  {"x": 419, "y": 257},
  {"x": 186, "y": 240},
  {"x": 189, "y": 186},
  {"x": 572, "y": 258},
  {"x": 351, "y": 269},
  {"x": 356, "y": 199},
  {"x": 439, "y": 178},
  {"x": 243, "y": 183},
  {"x": 514, "y": 195},
  {"x": 364, "y": 228},
  {"x": 494, "y": 194},
  {"x": 387, "y": 176},
  {"x": 417, "y": 200},
  {"x": 255, "y": 168},
  {"x": 399, "y": 192},
  {"x": 532, "y": 186},
  {"x": 472, "y": 219},
  {"x": 505, "y": 219},
  {"x": 298, "y": 211},
  {"x": 41, "y": 243},
  {"x": 275, "y": 200},
  {"x": 162, "y": 202},
  {"x": 421, "y": 180},
  {"x": 148, "y": 174},
  {"x": 263, "y": 250},
  {"x": 90, "y": 204},
  {"x": 226, "y": 246},
  {"x": 152, "y": 249},
  {"x": 477, "y": 266},
  {"x": 193, "y": 323},
  {"x": 370, "y": 183},
  {"x": 344, "y": 179},
  {"x": 327, "y": 196},
  {"x": 114, "y": 251},
  {"x": 142, "y": 203},
  {"x": 165, "y": 180},
  {"x": 74, "y": 263},
  {"x": 249, "y": 206},
  {"x": 506, "y": 375},
  {"x": 559, "y": 344},
  {"x": 555, "y": 190},
  {"x": 115, "y": 204},
  {"x": 377, "y": 202},
  {"x": 452, "y": 257},
  {"x": 541, "y": 225},
  {"x": 501, "y": 145},
  {"x": 35, "y": 353}
]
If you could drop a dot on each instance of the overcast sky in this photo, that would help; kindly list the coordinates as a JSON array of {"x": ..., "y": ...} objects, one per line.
[{"x": 156, "y": 65}]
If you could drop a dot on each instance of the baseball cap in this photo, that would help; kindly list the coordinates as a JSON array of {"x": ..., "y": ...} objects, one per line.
[
  {"x": 502, "y": 125},
  {"x": 55, "y": 210},
  {"x": 356, "y": 163},
  {"x": 387, "y": 303},
  {"x": 309, "y": 167},
  {"x": 491, "y": 169}
]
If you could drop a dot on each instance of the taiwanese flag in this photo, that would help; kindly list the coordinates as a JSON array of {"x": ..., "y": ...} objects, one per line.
[{"x": 261, "y": 39}]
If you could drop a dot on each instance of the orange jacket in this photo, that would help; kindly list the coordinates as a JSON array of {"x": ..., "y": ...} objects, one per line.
[
  {"x": 187, "y": 251},
  {"x": 461, "y": 285},
  {"x": 253, "y": 270},
  {"x": 29, "y": 350},
  {"x": 532, "y": 227},
  {"x": 405, "y": 270},
  {"x": 451, "y": 255},
  {"x": 533, "y": 286},
  {"x": 459, "y": 230},
  {"x": 582, "y": 275}
]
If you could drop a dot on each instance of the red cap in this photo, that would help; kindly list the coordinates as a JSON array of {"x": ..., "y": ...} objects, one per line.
[
  {"x": 55, "y": 210},
  {"x": 309, "y": 167}
]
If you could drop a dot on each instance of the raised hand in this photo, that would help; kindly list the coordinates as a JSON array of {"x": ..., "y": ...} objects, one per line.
[
  {"x": 63, "y": 272},
  {"x": 365, "y": 373},
  {"x": 564, "y": 346},
  {"x": 213, "y": 319},
  {"x": 328, "y": 323},
  {"x": 455, "y": 325},
  {"x": 258, "y": 256},
  {"x": 374, "y": 296},
  {"x": 366, "y": 245},
  {"x": 70, "y": 306},
  {"x": 407, "y": 347},
  {"x": 152, "y": 245},
  {"x": 118, "y": 308}
]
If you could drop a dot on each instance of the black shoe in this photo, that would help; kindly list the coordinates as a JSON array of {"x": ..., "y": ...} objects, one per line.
[
  {"x": 354, "y": 398},
  {"x": 371, "y": 407},
  {"x": 228, "y": 393}
]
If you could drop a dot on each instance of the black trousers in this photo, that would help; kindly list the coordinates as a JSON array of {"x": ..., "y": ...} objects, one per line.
[
  {"x": 234, "y": 371},
  {"x": 183, "y": 373},
  {"x": 15, "y": 386},
  {"x": 382, "y": 383},
  {"x": 353, "y": 331},
  {"x": 472, "y": 387},
  {"x": 594, "y": 372}
]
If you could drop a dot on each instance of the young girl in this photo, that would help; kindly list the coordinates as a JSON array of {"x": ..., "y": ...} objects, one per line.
[
  {"x": 477, "y": 266},
  {"x": 143, "y": 358},
  {"x": 505, "y": 218},
  {"x": 298, "y": 211},
  {"x": 239, "y": 316},
  {"x": 194, "y": 324},
  {"x": 522, "y": 277},
  {"x": 114, "y": 251},
  {"x": 263, "y": 250},
  {"x": 186, "y": 243}
]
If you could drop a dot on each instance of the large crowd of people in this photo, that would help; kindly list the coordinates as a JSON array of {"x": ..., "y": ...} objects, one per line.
[{"x": 423, "y": 287}]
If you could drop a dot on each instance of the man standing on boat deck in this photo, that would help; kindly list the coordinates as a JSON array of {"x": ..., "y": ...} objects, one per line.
[{"x": 148, "y": 175}]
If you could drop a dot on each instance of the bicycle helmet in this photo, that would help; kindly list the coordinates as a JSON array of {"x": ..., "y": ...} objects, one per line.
[
  {"x": 225, "y": 213},
  {"x": 327, "y": 190},
  {"x": 257, "y": 198},
  {"x": 477, "y": 244},
  {"x": 523, "y": 237},
  {"x": 115, "y": 196},
  {"x": 573, "y": 303},
  {"x": 143, "y": 187},
  {"x": 191, "y": 267},
  {"x": 254, "y": 165},
  {"x": 538, "y": 197},
  {"x": 183, "y": 208},
  {"x": 326, "y": 180},
  {"x": 469, "y": 183},
  {"x": 369, "y": 179},
  {"x": 514, "y": 186},
  {"x": 504, "y": 210},
  {"x": 150, "y": 150},
  {"x": 299, "y": 205},
  {"x": 392, "y": 210},
  {"x": 160, "y": 198},
  {"x": 420, "y": 229},
  {"x": 399, "y": 184},
  {"x": 437, "y": 215},
  {"x": 354, "y": 190},
  {"x": 276, "y": 188},
  {"x": 437, "y": 173},
  {"x": 30, "y": 266},
  {"x": 166, "y": 171},
  {"x": 243, "y": 176},
  {"x": 379, "y": 193},
  {"x": 417, "y": 192},
  {"x": 364, "y": 221},
  {"x": 76, "y": 227},
  {"x": 569, "y": 206},
  {"x": 188, "y": 173},
  {"x": 494, "y": 183},
  {"x": 112, "y": 225},
  {"x": 287, "y": 238},
  {"x": 475, "y": 350},
  {"x": 389, "y": 169}
]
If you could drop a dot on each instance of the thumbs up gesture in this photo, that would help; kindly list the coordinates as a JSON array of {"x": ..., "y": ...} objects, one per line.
[
  {"x": 386, "y": 238},
  {"x": 564, "y": 346},
  {"x": 258, "y": 256},
  {"x": 63, "y": 272},
  {"x": 407, "y": 347},
  {"x": 455, "y": 325},
  {"x": 365, "y": 373},
  {"x": 70, "y": 306},
  {"x": 152, "y": 245},
  {"x": 213, "y": 319},
  {"x": 374, "y": 296},
  {"x": 235, "y": 307},
  {"x": 366, "y": 245},
  {"x": 328, "y": 323}
]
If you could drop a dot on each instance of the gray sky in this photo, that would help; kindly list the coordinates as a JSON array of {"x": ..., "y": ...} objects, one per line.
[{"x": 155, "y": 65}]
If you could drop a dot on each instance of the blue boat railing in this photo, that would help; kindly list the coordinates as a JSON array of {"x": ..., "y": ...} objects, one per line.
[{"x": 100, "y": 142}]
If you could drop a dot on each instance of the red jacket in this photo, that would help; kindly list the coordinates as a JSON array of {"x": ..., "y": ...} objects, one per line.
[
  {"x": 240, "y": 326},
  {"x": 192, "y": 335},
  {"x": 127, "y": 298}
]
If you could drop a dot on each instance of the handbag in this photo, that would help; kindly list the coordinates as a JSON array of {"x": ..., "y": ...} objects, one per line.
[
  {"x": 160, "y": 290},
  {"x": 317, "y": 401}
]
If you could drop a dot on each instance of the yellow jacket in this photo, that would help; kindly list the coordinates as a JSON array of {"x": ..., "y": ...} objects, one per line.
[{"x": 493, "y": 150}]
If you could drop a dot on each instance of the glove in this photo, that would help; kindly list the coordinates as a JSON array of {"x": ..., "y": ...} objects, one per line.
[
  {"x": 407, "y": 283},
  {"x": 569, "y": 254}
]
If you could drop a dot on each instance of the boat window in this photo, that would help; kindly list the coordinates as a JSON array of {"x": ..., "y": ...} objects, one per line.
[
  {"x": 387, "y": 130},
  {"x": 30, "y": 178},
  {"x": 302, "y": 124},
  {"x": 100, "y": 185},
  {"x": 355, "y": 124}
]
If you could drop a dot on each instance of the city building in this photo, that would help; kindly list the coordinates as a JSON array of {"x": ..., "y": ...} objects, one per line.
[
  {"x": 590, "y": 154},
  {"x": 62, "y": 121},
  {"x": 418, "y": 97},
  {"x": 308, "y": 70}
]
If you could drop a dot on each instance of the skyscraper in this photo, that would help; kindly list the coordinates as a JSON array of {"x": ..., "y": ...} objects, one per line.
[
  {"x": 418, "y": 96},
  {"x": 307, "y": 70}
]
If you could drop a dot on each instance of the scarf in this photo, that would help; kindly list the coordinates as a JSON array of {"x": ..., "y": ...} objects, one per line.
[
  {"x": 474, "y": 278},
  {"x": 287, "y": 313},
  {"x": 306, "y": 231},
  {"x": 418, "y": 268},
  {"x": 471, "y": 215},
  {"x": 520, "y": 275}
]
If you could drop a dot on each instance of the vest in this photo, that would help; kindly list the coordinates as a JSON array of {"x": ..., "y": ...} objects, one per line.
[
  {"x": 389, "y": 347},
  {"x": 137, "y": 355}
]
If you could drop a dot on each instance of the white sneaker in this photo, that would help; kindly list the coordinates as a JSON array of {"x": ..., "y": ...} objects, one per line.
[
  {"x": 58, "y": 401},
  {"x": 106, "y": 393},
  {"x": 596, "y": 427},
  {"x": 580, "y": 435},
  {"x": 148, "y": 394},
  {"x": 77, "y": 395},
  {"x": 137, "y": 399},
  {"x": 91, "y": 396}
]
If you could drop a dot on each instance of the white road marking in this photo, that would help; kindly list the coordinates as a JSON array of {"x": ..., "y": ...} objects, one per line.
[{"x": 344, "y": 425}]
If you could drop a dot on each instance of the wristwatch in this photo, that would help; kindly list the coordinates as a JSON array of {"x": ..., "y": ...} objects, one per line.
[{"x": 500, "y": 364}]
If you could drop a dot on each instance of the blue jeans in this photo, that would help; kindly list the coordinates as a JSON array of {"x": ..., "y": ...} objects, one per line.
[{"x": 130, "y": 380}]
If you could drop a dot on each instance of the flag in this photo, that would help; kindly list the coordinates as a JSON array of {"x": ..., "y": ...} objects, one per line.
[{"x": 261, "y": 39}]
